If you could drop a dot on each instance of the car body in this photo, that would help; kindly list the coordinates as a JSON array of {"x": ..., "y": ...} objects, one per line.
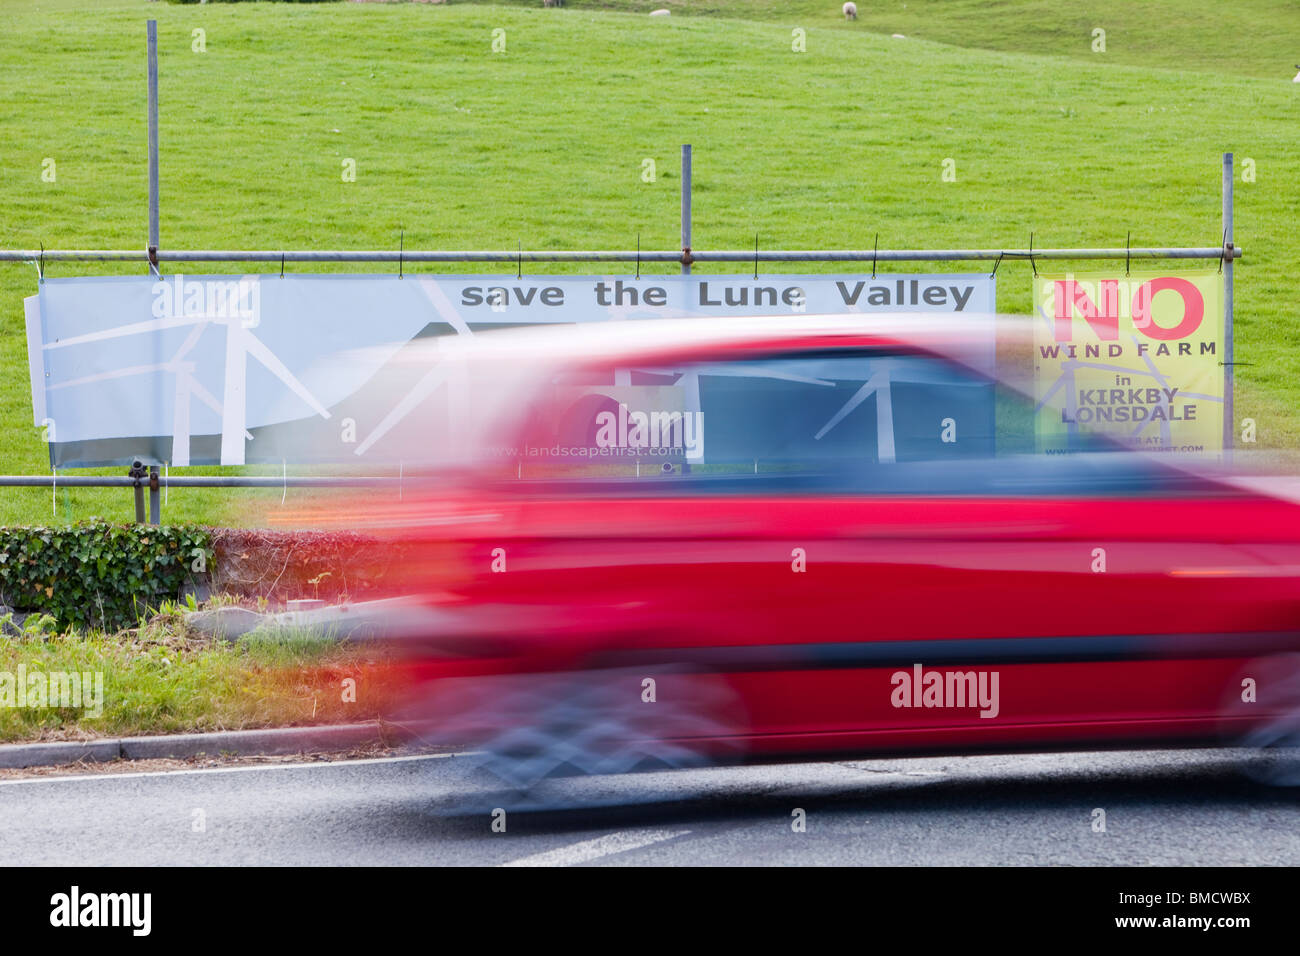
[{"x": 900, "y": 596}]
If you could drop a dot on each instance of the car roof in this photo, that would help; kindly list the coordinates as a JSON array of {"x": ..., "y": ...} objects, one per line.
[{"x": 647, "y": 339}]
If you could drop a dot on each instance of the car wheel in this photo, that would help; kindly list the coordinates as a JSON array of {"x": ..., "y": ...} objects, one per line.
[
  {"x": 530, "y": 727},
  {"x": 1264, "y": 706}
]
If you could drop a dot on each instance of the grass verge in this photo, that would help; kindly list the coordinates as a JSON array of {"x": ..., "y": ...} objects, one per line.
[{"x": 156, "y": 680}]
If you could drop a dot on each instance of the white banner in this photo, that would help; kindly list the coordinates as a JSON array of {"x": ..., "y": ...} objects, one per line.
[{"x": 221, "y": 369}]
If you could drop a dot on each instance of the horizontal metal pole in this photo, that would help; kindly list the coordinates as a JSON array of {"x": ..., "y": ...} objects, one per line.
[
  {"x": 200, "y": 481},
  {"x": 674, "y": 256}
]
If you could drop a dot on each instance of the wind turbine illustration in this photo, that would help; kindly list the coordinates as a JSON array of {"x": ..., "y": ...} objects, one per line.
[
  {"x": 240, "y": 344},
  {"x": 431, "y": 380},
  {"x": 877, "y": 384}
]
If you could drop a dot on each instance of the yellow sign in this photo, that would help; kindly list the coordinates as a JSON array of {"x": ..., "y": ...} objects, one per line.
[{"x": 1137, "y": 358}]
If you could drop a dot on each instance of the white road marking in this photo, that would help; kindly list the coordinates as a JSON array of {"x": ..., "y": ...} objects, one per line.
[
  {"x": 607, "y": 845},
  {"x": 67, "y": 778}
]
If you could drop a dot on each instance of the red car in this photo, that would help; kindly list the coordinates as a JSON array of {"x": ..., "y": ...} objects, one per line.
[{"x": 844, "y": 547}]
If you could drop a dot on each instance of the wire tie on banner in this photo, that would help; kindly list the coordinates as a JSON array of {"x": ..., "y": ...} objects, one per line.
[
  {"x": 401, "y": 252},
  {"x": 40, "y": 265},
  {"x": 1033, "y": 265},
  {"x": 282, "y": 265},
  {"x": 519, "y": 267},
  {"x": 875, "y": 249},
  {"x": 1223, "y": 250},
  {"x": 1128, "y": 251},
  {"x": 996, "y": 264},
  {"x": 755, "y": 255},
  {"x": 638, "y": 255}
]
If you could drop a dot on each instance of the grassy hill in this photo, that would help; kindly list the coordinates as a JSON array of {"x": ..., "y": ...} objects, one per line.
[
  {"x": 1258, "y": 38},
  {"x": 543, "y": 144}
]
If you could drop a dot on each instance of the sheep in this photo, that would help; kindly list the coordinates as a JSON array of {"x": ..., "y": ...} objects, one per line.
[
  {"x": 850, "y": 10},
  {"x": 1297, "y": 76}
]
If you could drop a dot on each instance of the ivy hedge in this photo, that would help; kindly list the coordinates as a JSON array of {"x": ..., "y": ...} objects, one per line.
[{"x": 99, "y": 575}]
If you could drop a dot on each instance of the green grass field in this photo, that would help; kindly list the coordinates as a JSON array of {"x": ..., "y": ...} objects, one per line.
[{"x": 543, "y": 144}]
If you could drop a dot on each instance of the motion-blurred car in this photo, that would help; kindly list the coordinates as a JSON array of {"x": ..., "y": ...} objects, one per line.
[{"x": 663, "y": 542}]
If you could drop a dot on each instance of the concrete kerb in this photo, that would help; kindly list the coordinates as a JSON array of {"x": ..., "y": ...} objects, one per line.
[{"x": 265, "y": 742}]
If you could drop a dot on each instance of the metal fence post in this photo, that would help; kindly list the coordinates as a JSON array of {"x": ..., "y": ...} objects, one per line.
[
  {"x": 153, "y": 145},
  {"x": 1229, "y": 413},
  {"x": 686, "y": 209},
  {"x": 155, "y": 496},
  {"x": 151, "y": 32},
  {"x": 137, "y": 472},
  {"x": 686, "y": 237}
]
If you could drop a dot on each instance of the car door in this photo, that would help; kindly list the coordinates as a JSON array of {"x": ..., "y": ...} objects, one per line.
[{"x": 937, "y": 588}]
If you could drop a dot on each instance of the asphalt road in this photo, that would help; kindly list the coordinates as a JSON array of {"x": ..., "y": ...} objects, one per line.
[{"x": 1161, "y": 807}]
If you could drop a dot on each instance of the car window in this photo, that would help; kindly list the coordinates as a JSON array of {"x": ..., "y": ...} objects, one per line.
[{"x": 854, "y": 421}]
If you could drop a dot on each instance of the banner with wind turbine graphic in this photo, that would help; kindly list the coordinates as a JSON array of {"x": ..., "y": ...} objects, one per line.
[{"x": 233, "y": 370}]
